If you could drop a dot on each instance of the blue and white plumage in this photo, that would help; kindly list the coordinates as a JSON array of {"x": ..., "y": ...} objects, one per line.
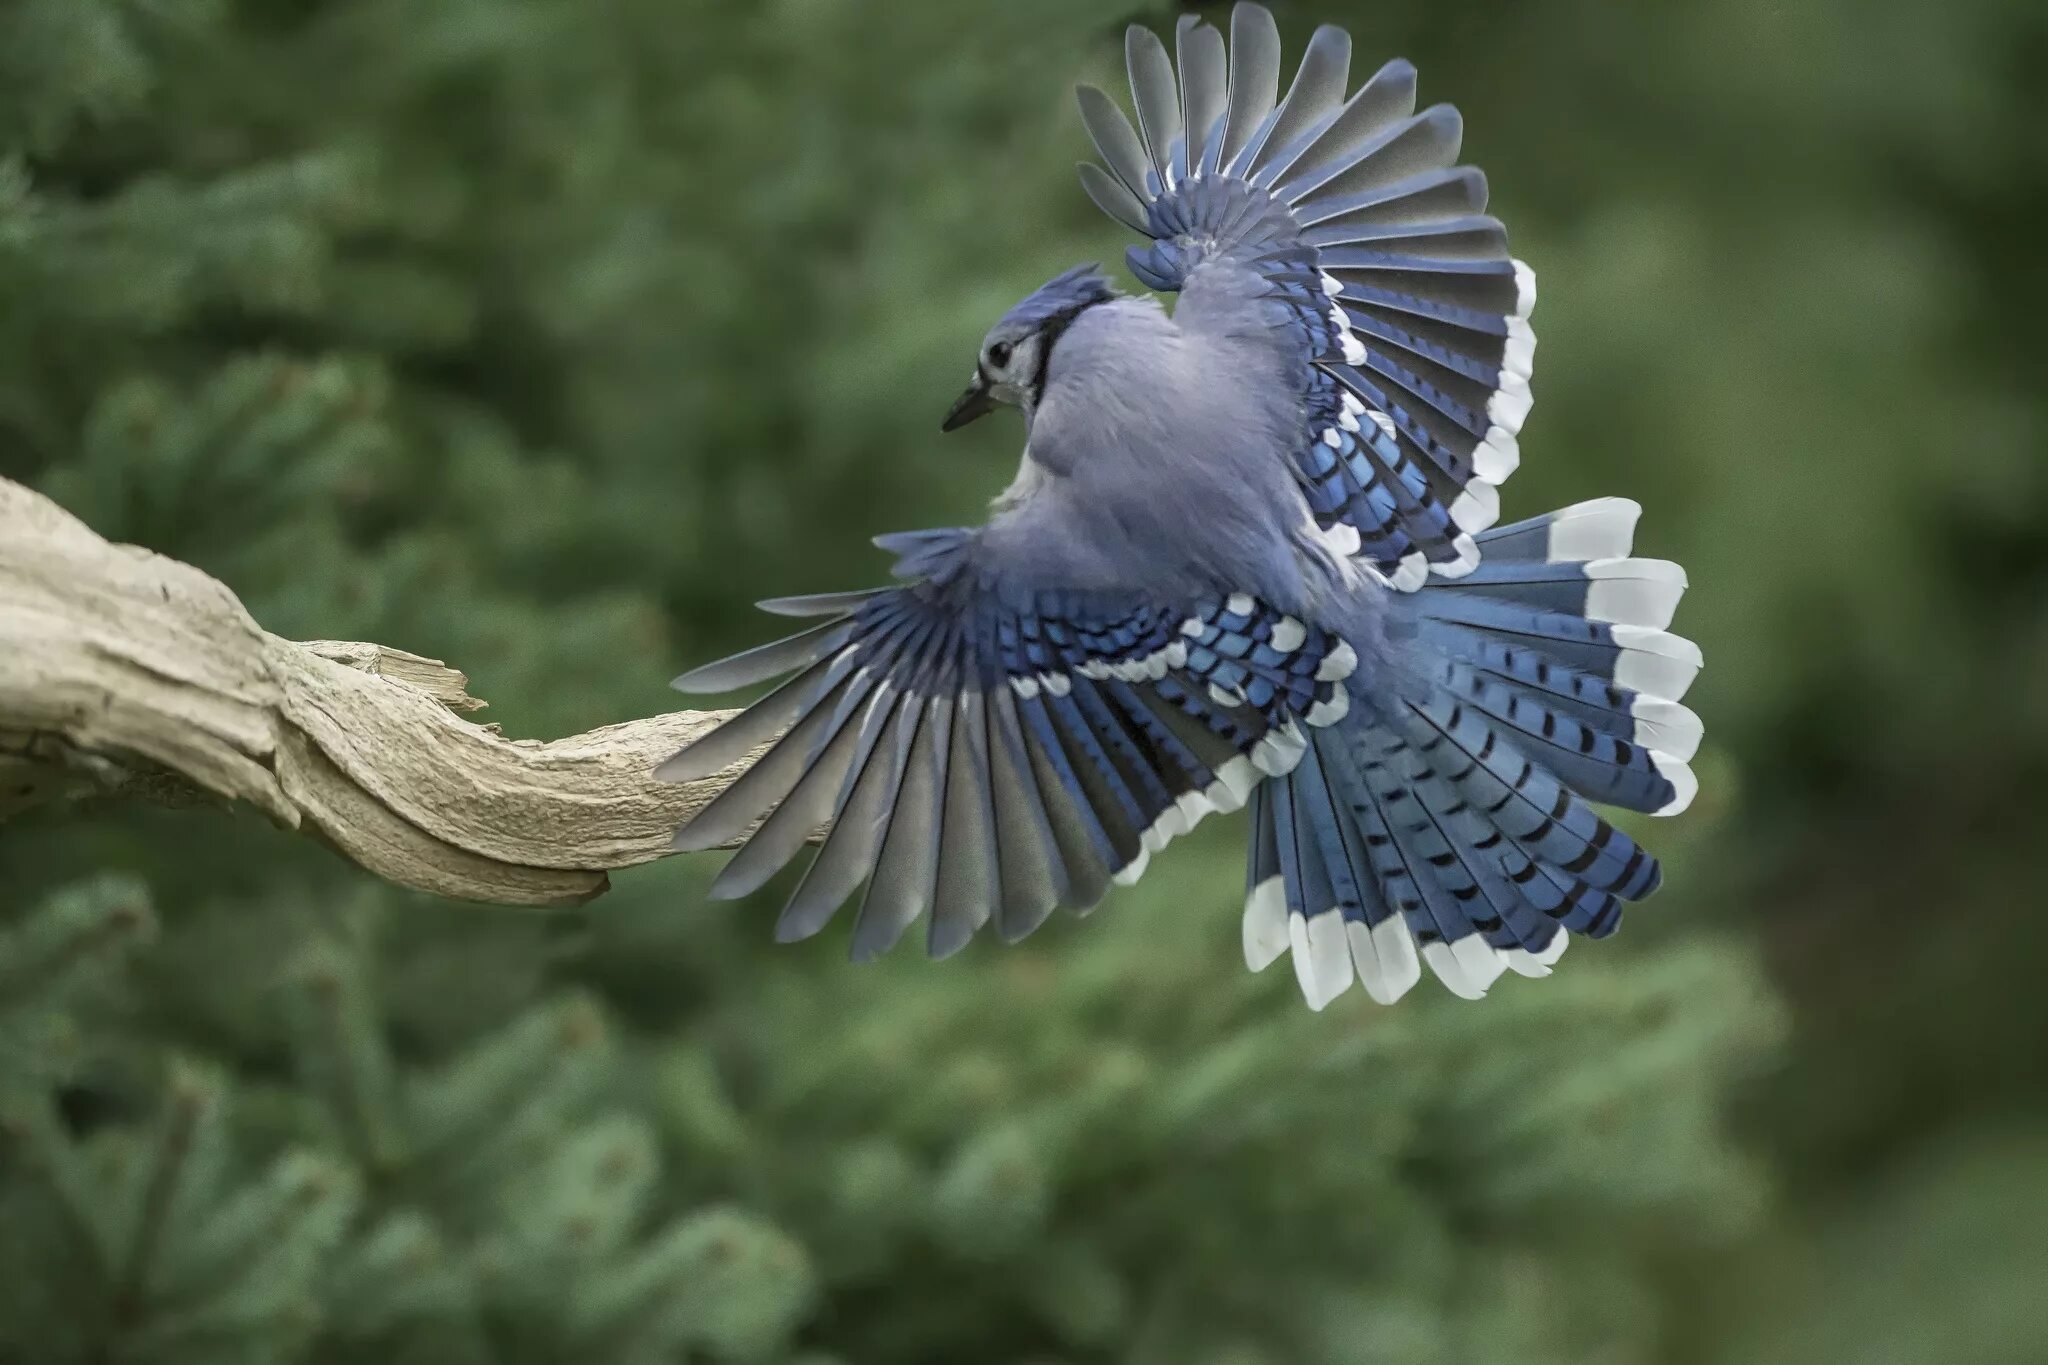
[{"x": 1249, "y": 558}]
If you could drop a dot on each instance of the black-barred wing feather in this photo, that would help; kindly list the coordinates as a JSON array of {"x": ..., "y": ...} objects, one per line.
[{"x": 983, "y": 755}]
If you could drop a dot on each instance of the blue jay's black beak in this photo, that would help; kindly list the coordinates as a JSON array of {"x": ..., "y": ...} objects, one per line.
[{"x": 976, "y": 402}]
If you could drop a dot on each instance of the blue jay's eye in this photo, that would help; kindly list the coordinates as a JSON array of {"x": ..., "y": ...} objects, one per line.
[{"x": 999, "y": 354}]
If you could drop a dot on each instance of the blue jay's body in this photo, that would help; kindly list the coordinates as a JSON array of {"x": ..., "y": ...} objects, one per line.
[{"x": 1249, "y": 558}]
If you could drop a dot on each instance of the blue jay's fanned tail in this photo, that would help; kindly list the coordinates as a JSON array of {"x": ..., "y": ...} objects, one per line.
[{"x": 1446, "y": 821}]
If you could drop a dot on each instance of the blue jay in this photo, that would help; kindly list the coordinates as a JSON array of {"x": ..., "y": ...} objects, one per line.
[{"x": 1249, "y": 559}]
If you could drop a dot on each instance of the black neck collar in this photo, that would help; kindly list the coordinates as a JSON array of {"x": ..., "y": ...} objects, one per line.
[{"x": 1049, "y": 334}]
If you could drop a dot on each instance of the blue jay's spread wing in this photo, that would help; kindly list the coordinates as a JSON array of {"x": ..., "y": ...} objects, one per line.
[
  {"x": 984, "y": 752},
  {"x": 1344, "y": 226}
]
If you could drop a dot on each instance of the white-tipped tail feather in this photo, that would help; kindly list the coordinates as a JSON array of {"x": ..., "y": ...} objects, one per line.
[
  {"x": 1655, "y": 662},
  {"x": 1522, "y": 962},
  {"x": 1604, "y": 528},
  {"x": 1265, "y": 924},
  {"x": 1385, "y": 959},
  {"x": 1322, "y": 959},
  {"x": 1680, "y": 775},
  {"x": 1634, "y": 592},
  {"x": 1667, "y": 726}
]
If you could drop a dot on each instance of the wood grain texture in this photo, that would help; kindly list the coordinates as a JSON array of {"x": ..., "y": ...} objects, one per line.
[{"x": 126, "y": 674}]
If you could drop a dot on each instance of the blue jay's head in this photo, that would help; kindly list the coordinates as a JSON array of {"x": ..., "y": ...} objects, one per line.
[{"x": 1017, "y": 350}]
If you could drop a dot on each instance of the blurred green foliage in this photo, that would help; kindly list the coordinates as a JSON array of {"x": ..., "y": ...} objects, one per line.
[{"x": 543, "y": 335}]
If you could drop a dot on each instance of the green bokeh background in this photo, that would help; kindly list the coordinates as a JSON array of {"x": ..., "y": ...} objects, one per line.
[{"x": 543, "y": 336}]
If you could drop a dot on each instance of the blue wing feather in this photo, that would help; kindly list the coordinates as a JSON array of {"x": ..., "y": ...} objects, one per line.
[
  {"x": 981, "y": 750},
  {"x": 1428, "y": 329}
]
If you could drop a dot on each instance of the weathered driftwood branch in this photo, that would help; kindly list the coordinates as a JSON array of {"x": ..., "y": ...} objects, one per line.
[{"x": 126, "y": 673}]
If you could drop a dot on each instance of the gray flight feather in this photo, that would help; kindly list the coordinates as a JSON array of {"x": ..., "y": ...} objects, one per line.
[
  {"x": 967, "y": 885},
  {"x": 1254, "y": 79},
  {"x": 1315, "y": 96},
  {"x": 1427, "y": 142},
  {"x": 1074, "y": 831},
  {"x": 1114, "y": 138},
  {"x": 769, "y": 780},
  {"x": 757, "y": 725},
  {"x": 1369, "y": 115},
  {"x": 1419, "y": 199},
  {"x": 771, "y": 660},
  {"x": 1157, "y": 95},
  {"x": 808, "y": 806},
  {"x": 849, "y": 850},
  {"x": 1470, "y": 236},
  {"x": 1112, "y": 198},
  {"x": 1204, "y": 90},
  {"x": 907, "y": 867},
  {"x": 820, "y": 603},
  {"x": 1034, "y": 878}
]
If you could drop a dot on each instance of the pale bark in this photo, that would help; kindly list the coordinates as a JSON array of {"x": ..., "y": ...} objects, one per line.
[{"x": 124, "y": 673}]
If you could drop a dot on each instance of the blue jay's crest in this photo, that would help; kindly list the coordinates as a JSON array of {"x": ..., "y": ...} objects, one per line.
[
  {"x": 1250, "y": 559},
  {"x": 1082, "y": 287}
]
